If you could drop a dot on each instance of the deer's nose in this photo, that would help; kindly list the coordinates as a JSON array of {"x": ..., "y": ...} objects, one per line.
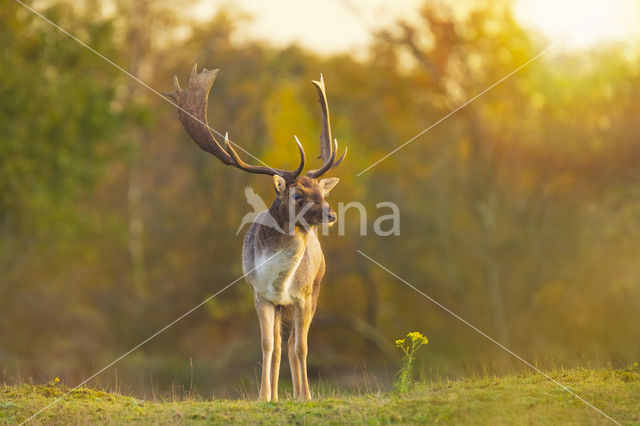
[{"x": 331, "y": 216}]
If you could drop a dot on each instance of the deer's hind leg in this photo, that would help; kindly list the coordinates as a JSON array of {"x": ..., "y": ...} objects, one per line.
[{"x": 266, "y": 314}]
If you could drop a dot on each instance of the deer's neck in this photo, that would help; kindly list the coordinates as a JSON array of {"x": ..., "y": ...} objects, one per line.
[
  {"x": 281, "y": 217},
  {"x": 291, "y": 245},
  {"x": 270, "y": 239}
]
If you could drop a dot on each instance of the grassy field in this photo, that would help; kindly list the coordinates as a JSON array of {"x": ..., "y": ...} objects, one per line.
[{"x": 522, "y": 399}]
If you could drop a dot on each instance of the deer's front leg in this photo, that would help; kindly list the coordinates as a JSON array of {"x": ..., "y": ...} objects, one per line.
[
  {"x": 266, "y": 314},
  {"x": 302, "y": 315},
  {"x": 293, "y": 362},
  {"x": 277, "y": 349}
]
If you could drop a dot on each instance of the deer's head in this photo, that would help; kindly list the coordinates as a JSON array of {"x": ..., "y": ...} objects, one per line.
[
  {"x": 301, "y": 197},
  {"x": 303, "y": 200}
]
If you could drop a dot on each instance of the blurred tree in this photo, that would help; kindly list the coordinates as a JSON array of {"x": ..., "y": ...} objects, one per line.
[
  {"x": 143, "y": 27},
  {"x": 58, "y": 121}
]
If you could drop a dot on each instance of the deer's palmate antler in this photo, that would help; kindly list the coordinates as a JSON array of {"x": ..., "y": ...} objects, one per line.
[
  {"x": 193, "y": 115},
  {"x": 281, "y": 254}
]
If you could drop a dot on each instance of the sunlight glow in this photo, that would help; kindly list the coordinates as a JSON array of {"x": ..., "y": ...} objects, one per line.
[{"x": 584, "y": 22}]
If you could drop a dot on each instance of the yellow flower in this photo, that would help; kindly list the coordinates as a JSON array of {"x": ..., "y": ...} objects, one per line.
[
  {"x": 416, "y": 336},
  {"x": 56, "y": 380},
  {"x": 399, "y": 343}
]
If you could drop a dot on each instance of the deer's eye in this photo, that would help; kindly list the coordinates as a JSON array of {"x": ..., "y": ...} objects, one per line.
[{"x": 296, "y": 196}]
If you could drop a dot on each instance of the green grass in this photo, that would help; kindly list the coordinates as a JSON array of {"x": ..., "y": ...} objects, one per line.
[{"x": 516, "y": 399}]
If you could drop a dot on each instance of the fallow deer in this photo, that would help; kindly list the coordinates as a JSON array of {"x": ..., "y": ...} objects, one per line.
[{"x": 287, "y": 286}]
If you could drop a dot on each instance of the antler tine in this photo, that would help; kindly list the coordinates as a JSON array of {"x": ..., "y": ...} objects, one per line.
[
  {"x": 192, "y": 103},
  {"x": 303, "y": 157},
  {"x": 327, "y": 149},
  {"x": 339, "y": 160},
  {"x": 288, "y": 175},
  {"x": 327, "y": 164}
]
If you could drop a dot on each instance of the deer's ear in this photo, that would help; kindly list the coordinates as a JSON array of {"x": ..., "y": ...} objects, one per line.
[
  {"x": 327, "y": 185},
  {"x": 279, "y": 184}
]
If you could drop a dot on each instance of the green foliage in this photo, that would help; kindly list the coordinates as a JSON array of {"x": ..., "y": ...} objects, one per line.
[
  {"x": 483, "y": 400},
  {"x": 58, "y": 121}
]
